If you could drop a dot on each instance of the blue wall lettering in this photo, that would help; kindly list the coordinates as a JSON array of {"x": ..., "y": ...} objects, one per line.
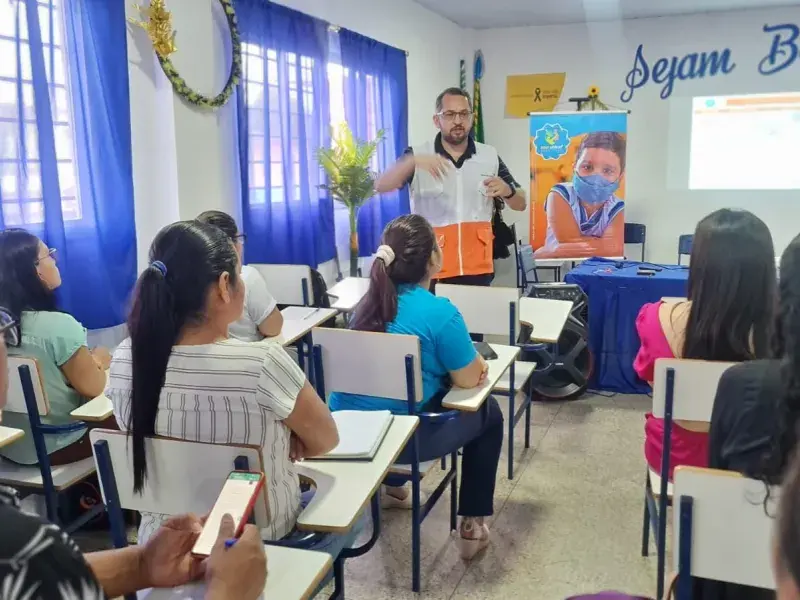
[
  {"x": 667, "y": 71},
  {"x": 784, "y": 49}
]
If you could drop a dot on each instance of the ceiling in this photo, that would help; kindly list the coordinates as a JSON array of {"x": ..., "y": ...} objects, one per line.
[{"x": 486, "y": 14}]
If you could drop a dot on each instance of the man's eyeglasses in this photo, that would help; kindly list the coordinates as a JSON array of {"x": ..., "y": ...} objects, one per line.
[
  {"x": 51, "y": 253},
  {"x": 8, "y": 328},
  {"x": 451, "y": 115},
  {"x": 242, "y": 237}
]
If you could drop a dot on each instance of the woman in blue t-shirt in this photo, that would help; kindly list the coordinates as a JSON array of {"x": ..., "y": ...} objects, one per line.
[{"x": 398, "y": 301}]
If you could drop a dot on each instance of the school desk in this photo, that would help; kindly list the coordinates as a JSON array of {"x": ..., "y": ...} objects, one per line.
[
  {"x": 348, "y": 293},
  {"x": 547, "y": 317},
  {"x": 98, "y": 409},
  {"x": 299, "y": 320},
  {"x": 344, "y": 487},
  {"x": 9, "y": 435},
  {"x": 292, "y": 574},
  {"x": 471, "y": 400},
  {"x": 95, "y": 410}
]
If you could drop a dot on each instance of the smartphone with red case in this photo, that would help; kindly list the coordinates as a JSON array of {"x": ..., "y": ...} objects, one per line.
[{"x": 237, "y": 499}]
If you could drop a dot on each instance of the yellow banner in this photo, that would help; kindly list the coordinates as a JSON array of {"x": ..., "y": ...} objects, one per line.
[{"x": 533, "y": 93}]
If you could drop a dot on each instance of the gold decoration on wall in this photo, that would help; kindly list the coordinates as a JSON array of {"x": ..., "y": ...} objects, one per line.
[
  {"x": 157, "y": 22},
  {"x": 158, "y": 25}
]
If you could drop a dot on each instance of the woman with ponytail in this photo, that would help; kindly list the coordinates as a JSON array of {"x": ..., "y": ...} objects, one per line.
[
  {"x": 179, "y": 376},
  {"x": 398, "y": 301}
]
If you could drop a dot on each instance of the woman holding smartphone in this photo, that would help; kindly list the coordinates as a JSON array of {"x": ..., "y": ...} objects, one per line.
[{"x": 36, "y": 558}]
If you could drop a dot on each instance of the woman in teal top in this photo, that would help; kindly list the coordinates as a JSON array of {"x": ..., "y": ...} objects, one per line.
[
  {"x": 70, "y": 372},
  {"x": 398, "y": 301}
]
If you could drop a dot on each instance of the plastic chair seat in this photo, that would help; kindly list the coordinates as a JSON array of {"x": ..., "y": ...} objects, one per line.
[{"x": 64, "y": 476}]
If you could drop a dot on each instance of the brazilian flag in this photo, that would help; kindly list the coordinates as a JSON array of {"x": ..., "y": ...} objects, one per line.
[{"x": 477, "y": 127}]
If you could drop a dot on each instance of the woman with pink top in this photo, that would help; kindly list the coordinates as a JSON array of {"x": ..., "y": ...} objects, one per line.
[{"x": 727, "y": 317}]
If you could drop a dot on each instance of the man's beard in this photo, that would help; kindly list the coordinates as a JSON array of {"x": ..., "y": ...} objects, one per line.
[{"x": 456, "y": 138}]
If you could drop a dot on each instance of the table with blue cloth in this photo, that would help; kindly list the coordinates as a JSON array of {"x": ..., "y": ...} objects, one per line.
[{"x": 616, "y": 294}]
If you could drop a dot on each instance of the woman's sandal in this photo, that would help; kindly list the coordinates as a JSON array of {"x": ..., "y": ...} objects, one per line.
[
  {"x": 469, "y": 547},
  {"x": 393, "y": 502}
]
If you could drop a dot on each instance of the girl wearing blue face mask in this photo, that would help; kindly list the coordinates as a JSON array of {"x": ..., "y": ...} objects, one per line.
[{"x": 584, "y": 217}]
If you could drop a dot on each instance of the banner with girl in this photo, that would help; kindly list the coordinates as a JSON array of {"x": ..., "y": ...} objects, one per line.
[{"x": 578, "y": 184}]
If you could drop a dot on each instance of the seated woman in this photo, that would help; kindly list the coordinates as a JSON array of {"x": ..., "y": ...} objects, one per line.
[
  {"x": 39, "y": 560},
  {"x": 728, "y": 317},
  {"x": 398, "y": 301},
  {"x": 180, "y": 376},
  {"x": 260, "y": 318},
  {"x": 757, "y": 411},
  {"x": 71, "y": 372}
]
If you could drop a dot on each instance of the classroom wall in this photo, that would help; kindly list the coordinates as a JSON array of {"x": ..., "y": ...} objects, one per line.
[
  {"x": 603, "y": 54},
  {"x": 185, "y": 160}
]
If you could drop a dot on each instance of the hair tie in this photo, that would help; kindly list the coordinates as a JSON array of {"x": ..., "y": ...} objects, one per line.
[
  {"x": 160, "y": 267},
  {"x": 385, "y": 253}
]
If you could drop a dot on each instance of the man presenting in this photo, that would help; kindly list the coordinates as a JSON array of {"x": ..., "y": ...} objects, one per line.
[{"x": 454, "y": 182}]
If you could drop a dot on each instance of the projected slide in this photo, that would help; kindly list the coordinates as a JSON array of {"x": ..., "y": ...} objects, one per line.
[{"x": 745, "y": 142}]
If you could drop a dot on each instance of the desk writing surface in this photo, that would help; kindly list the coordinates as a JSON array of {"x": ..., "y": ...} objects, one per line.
[
  {"x": 96, "y": 410},
  {"x": 344, "y": 487},
  {"x": 346, "y": 294},
  {"x": 9, "y": 435},
  {"x": 471, "y": 400},
  {"x": 546, "y": 316},
  {"x": 299, "y": 320},
  {"x": 292, "y": 574}
]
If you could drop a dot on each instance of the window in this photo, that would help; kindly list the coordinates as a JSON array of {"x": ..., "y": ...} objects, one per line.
[
  {"x": 263, "y": 70},
  {"x": 20, "y": 165}
]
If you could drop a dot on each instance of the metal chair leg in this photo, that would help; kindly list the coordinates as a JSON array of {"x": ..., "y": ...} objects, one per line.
[
  {"x": 511, "y": 435},
  {"x": 528, "y": 419},
  {"x": 338, "y": 578},
  {"x": 416, "y": 517},
  {"x": 454, "y": 493},
  {"x": 646, "y": 531}
]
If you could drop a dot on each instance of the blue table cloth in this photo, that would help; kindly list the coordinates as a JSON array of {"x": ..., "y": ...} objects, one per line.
[{"x": 616, "y": 293}]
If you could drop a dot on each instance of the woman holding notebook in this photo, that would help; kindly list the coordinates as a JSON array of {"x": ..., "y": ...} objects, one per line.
[{"x": 398, "y": 301}]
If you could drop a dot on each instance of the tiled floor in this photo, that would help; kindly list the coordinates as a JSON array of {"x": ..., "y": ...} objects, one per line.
[{"x": 569, "y": 522}]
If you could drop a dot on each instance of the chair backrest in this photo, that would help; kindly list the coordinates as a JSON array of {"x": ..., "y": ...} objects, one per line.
[
  {"x": 635, "y": 233},
  {"x": 16, "y": 396},
  {"x": 730, "y": 531},
  {"x": 182, "y": 476},
  {"x": 527, "y": 264},
  {"x": 685, "y": 243},
  {"x": 485, "y": 309},
  {"x": 286, "y": 283},
  {"x": 694, "y": 389},
  {"x": 363, "y": 362}
]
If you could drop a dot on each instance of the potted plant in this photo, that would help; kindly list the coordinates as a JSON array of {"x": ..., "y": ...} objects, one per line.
[{"x": 351, "y": 181}]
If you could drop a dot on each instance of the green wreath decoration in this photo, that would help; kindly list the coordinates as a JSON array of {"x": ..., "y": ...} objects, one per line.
[{"x": 188, "y": 94}]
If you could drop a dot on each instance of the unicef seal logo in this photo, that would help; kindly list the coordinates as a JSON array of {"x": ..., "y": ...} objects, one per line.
[{"x": 551, "y": 141}]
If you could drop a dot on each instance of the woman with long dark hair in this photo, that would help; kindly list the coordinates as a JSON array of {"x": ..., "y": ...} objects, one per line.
[
  {"x": 179, "y": 376},
  {"x": 727, "y": 317},
  {"x": 398, "y": 301},
  {"x": 71, "y": 372},
  {"x": 260, "y": 318}
]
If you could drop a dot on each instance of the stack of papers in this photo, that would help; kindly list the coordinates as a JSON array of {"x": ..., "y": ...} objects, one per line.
[{"x": 360, "y": 434}]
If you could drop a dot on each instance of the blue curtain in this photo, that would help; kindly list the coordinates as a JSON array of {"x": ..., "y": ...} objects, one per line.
[
  {"x": 376, "y": 97},
  {"x": 70, "y": 150},
  {"x": 283, "y": 118}
]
